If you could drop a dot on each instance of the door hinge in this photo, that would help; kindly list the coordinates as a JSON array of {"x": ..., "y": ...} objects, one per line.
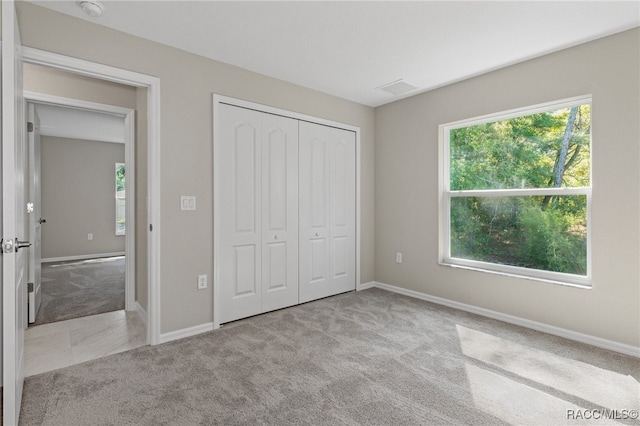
[
  {"x": 150, "y": 227},
  {"x": 29, "y": 127}
]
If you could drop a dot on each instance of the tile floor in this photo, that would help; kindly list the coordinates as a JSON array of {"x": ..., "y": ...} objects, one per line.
[{"x": 61, "y": 344}]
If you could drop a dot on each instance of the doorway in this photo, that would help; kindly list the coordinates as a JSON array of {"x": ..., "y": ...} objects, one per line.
[
  {"x": 81, "y": 262},
  {"x": 147, "y": 205},
  {"x": 82, "y": 270}
]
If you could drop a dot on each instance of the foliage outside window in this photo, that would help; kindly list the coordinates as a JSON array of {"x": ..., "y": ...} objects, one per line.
[
  {"x": 120, "y": 199},
  {"x": 516, "y": 192}
]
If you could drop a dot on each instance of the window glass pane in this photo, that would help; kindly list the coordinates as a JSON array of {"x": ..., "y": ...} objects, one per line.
[
  {"x": 120, "y": 215},
  {"x": 120, "y": 199},
  {"x": 120, "y": 180},
  {"x": 546, "y": 233},
  {"x": 544, "y": 150}
]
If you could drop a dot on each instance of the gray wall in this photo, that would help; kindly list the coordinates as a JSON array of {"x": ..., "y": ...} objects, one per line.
[
  {"x": 78, "y": 197},
  {"x": 406, "y": 183},
  {"x": 187, "y": 84}
]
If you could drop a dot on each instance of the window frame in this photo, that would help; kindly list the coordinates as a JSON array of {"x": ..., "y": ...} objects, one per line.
[
  {"x": 124, "y": 199},
  {"x": 446, "y": 194}
]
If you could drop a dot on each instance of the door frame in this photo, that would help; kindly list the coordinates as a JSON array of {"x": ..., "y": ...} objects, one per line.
[
  {"x": 129, "y": 160},
  {"x": 217, "y": 180},
  {"x": 152, "y": 84}
]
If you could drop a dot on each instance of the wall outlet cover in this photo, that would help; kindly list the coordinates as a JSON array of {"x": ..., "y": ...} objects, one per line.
[
  {"x": 187, "y": 202},
  {"x": 202, "y": 282}
]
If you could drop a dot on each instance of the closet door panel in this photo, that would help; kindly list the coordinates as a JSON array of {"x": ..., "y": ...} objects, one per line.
[
  {"x": 279, "y": 212},
  {"x": 343, "y": 213},
  {"x": 327, "y": 211},
  {"x": 240, "y": 231},
  {"x": 314, "y": 210}
]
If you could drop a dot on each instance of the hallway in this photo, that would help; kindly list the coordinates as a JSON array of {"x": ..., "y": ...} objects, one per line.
[{"x": 65, "y": 343}]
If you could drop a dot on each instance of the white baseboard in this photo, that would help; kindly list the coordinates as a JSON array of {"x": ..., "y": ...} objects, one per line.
[
  {"x": 523, "y": 322},
  {"x": 138, "y": 309},
  {"x": 365, "y": 286},
  {"x": 185, "y": 332},
  {"x": 81, "y": 257}
]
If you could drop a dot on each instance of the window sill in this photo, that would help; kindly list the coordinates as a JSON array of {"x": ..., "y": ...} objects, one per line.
[{"x": 584, "y": 286}]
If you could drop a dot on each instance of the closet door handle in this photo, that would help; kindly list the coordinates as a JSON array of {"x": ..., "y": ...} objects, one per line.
[{"x": 275, "y": 237}]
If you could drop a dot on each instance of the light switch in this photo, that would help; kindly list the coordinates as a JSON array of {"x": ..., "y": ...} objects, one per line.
[{"x": 187, "y": 202}]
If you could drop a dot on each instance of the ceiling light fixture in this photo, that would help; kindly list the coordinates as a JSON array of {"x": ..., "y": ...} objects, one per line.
[
  {"x": 397, "y": 87},
  {"x": 92, "y": 8}
]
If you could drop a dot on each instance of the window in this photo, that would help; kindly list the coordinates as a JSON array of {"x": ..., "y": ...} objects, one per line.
[
  {"x": 120, "y": 200},
  {"x": 516, "y": 190}
]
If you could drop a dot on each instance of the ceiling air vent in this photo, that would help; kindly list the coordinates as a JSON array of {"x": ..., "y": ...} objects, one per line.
[{"x": 397, "y": 87}]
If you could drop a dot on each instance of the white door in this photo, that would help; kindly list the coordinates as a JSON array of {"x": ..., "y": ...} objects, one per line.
[
  {"x": 35, "y": 218},
  {"x": 279, "y": 212},
  {"x": 14, "y": 222},
  {"x": 258, "y": 217},
  {"x": 327, "y": 180},
  {"x": 240, "y": 246}
]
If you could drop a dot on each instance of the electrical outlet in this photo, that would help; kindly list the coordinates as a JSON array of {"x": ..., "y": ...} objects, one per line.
[
  {"x": 398, "y": 257},
  {"x": 89, "y": 237},
  {"x": 202, "y": 282}
]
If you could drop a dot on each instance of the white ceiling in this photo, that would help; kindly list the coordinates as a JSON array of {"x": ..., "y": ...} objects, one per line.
[{"x": 348, "y": 49}]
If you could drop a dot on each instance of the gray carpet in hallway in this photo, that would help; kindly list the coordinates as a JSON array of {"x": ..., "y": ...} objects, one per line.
[
  {"x": 366, "y": 358},
  {"x": 81, "y": 288}
]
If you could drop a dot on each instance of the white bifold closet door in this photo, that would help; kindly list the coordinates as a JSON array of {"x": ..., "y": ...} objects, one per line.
[
  {"x": 258, "y": 239},
  {"x": 327, "y": 182}
]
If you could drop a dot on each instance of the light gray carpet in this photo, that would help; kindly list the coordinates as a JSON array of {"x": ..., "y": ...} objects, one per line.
[
  {"x": 80, "y": 288},
  {"x": 366, "y": 358}
]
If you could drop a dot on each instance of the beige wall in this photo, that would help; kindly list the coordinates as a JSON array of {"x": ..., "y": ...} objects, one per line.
[
  {"x": 68, "y": 85},
  {"x": 187, "y": 84},
  {"x": 78, "y": 197},
  {"x": 406, "y": 182}
]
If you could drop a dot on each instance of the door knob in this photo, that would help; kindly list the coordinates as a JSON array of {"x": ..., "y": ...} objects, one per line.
[
  {"x": 22, "y": 244},
  {"x": 317, "y": 234},
  {"x": 275, "y": 237}
]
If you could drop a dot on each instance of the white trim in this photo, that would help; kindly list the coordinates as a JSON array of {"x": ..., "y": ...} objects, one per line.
[
  {"x": 186, "y": 332},
  {"x": 216, "y": 217},
  {"x": 46, "y": 99},
  {"x": 523, "y": 322},
  {"x": 286, "y": 113},
  {"x": 152, "y": 84},
  {"x": 217, "y": 179},
  {"x": 518, "y": 112},
  {"x": 365, "y": 286},
  {"x": 82, "y": 257},
  {"x": 521, "y": 192},
  {"x": 138, "y": 309}
]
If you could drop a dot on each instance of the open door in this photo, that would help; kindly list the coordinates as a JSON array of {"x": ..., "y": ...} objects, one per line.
[
  {"x": 14, "y": 216},
  {"x": 35, "y": 218}
]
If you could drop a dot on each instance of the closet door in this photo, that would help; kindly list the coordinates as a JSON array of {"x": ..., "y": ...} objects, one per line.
[
  {"x": 327, "y": 179},
  {"x": 279, "y": 212},
  {"x": 240, "y": 239},
  {"x": 258, "y": 239}
]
